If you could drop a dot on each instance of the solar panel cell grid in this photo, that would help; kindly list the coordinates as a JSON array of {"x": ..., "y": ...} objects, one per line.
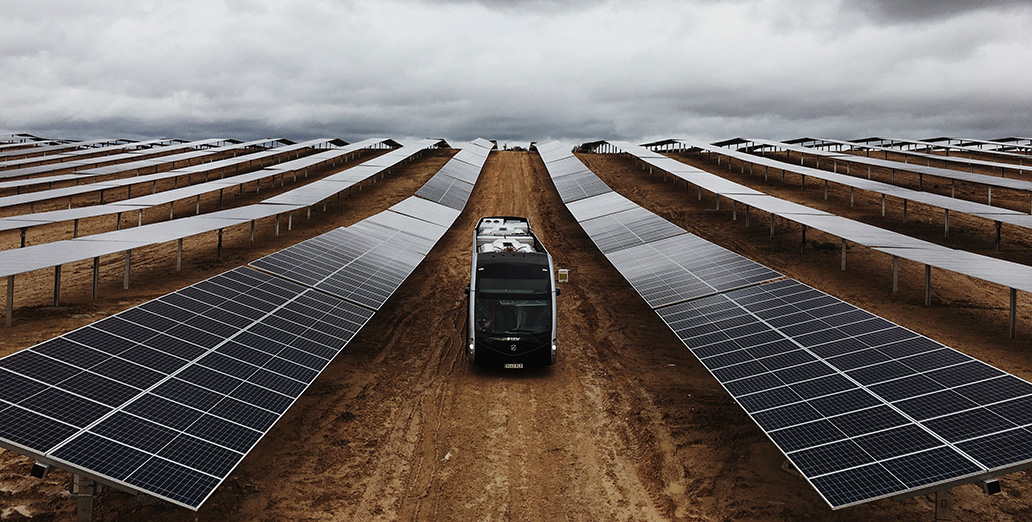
[{"x": 824, "y": 420}]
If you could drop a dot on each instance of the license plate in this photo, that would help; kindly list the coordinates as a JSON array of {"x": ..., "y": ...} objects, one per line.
[{"x": 513, "y": 365}]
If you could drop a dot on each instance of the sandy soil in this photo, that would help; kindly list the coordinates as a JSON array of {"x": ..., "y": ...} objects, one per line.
[{"x": 626, "y": 426}]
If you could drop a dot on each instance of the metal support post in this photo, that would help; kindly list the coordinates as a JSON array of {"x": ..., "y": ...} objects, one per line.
[
  {"x": 9, "y": 311},
  {"x": 96, "y": 275},
  {"x": 198, "y": 208},
  {"x": 904, "y": 211},
  {"x": 57, "y": 285},
  {"x": 1013, "y": 312},
  {"x": 825, "y": 190},
  {"x": 850, "y": 197},
  {"x": 290, "y": 221},
  {"x": 990, "y": 196},
  {"x": 928, "y": 285},
  {"x": 128, "y": 261},
  {"x": 998, "y": 225},
  {"x": 947, "y": 224},
  {"x": 83, "y": 489},
  {"x": 179, "y": 255},
  {"x": 251, "y": 243},
  {"x": 943, "y": 506},
  {"x": 23, "y": 230},
  {"x": 843, "y": 255},
  {"x": 895, "y": 274},
  {"x": 772, "y": 226},
  {"x": 747, "y": 216},
  {"x": 118, "y": 221},
  {"x": 172, "y": 210},
  {"x": 802, "y": 246},
  {"x": 75, "y": 228},
  {"x": 218, "y": 247},
  {"x": 734, "y": 210},
  {"x": 139, "y": 218}
]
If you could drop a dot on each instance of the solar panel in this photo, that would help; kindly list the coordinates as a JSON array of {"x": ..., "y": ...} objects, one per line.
[
  {"x": 862, "y": 407},
  {"x": 364, "y": 263},
  {"x": 464, "y": 168},
  {"x": 167, "y": 397},
  {"x": 579, "y": 185},
  {"x": 427, "y": 211},
  {"x": 685, "y": 267},
  {"x": 371, "y": 279},
  {"x": 600, "y": 205},
  {"x": 628, "y": 228},
  {"x": 408, "y": 224},
  {"x": 446, "y": 190}
]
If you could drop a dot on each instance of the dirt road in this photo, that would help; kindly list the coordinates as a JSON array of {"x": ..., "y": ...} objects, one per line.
[{"x": 626, "y": 426}]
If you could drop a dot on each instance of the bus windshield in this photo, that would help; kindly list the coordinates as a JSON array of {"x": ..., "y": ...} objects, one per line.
[{"x": 513, "y": 299}]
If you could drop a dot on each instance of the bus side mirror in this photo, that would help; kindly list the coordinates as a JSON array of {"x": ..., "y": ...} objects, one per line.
[
  {"x": 558, "y": 291},
  {"x": 466, "y": 290}
]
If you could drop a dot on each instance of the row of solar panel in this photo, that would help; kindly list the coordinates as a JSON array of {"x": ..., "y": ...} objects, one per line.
[
  {"x": 170, "y": 395},
  {"x": 862, "y": 407},
  {"x": 661, "y": 260},
  {"x": 167, "y": 397}
]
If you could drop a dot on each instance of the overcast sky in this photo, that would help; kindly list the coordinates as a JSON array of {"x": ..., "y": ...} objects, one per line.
[{"x": 516, "y": 70}]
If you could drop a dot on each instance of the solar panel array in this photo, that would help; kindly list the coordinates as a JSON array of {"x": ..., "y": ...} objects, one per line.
[
  {"x": 167, "y": 397},
  {"x": 453, "y": 184},
  {"x": 127, "y": 183},
  {"x": 1005, "y": 273},
  {"x": 45, "y": 255},
  {"x": 1013, "y": 217},
  {"x": 981, "y": 179},
  {"x": 138, "y": 203},
  {"x": 656, "y": 256},
  {"x": 862, "y": 407}
]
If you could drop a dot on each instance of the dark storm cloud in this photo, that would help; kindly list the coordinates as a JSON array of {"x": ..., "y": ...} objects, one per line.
[
  {"x": 897, "y": 11},
  {"x": 521, "y": 71}
]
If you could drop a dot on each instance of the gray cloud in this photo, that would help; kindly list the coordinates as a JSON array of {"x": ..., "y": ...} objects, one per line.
[
  {"x": 514, "y": 71},
  {"x": 897, "y": 11}
]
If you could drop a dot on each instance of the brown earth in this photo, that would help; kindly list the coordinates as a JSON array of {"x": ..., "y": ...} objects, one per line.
[{"x": 626, "y": 426}]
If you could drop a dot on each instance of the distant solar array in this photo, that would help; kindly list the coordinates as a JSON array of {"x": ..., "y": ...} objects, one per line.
[
  {"x": 1014, "y": 276},
  {"x": 57, "y": 253},
  {"x": 140, "y": 203},
  {"x": 167, "y": 397},
  {"x": 921, "y": 170},
  {"x": 863, "y": 408},
  {"x": 248, "y": 161}
]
